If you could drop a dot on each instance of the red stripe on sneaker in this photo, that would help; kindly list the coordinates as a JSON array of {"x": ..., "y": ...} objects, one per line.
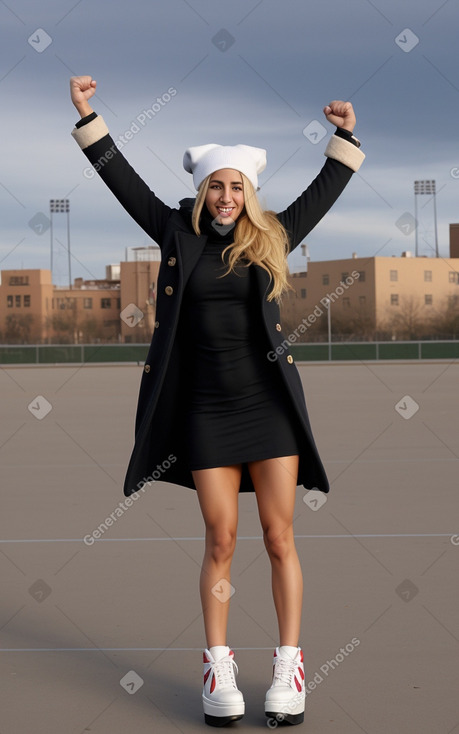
[
  {"x": 205, "y": 659},
  {"x": 301, "y": 655},
  {"x": 212, "y": 687},
  {"x": 301, "y": 673},
  {"x": 298, "y": 684}
]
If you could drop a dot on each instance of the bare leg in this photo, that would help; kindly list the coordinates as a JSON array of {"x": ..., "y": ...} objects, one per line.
[
  {"x": 275, "y": 484},
  {"x": 218, "y": 492}
]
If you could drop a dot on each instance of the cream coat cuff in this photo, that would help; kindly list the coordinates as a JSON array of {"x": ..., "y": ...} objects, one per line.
[
  {"x": 344, "y": 152},
  {"x": 90, "y": 133}
]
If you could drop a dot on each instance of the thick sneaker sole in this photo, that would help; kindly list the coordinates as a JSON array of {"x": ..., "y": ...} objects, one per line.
[
  {"x": 279, "y": 711},
  {"x": 221, "y": 720},
  {"x": 216, "y": 714},
  {"x": 278, "y": 718}
]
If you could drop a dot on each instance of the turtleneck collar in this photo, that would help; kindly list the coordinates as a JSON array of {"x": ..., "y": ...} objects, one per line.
[{"x": 214, "y": 231}]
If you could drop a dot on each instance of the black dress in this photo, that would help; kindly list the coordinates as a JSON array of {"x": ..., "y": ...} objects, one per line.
[{"x": 237, "y": 409}]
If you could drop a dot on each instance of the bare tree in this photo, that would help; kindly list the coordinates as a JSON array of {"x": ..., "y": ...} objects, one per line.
[
  {"x": 445, "y": 320},
  {"x": 20, "y": 329},
  {"x": 406, "y": 320}
]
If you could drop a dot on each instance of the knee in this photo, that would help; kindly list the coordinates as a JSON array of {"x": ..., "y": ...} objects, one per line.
[
  {"x": 279, "y": 542},
  {"x": 221, "y": 544}
]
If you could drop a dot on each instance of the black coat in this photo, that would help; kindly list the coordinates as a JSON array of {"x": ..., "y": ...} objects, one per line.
[{"x": 158, "y": 451}]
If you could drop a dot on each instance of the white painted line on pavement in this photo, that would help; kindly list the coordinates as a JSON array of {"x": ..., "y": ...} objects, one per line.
[{"x": 243, "y": 537}]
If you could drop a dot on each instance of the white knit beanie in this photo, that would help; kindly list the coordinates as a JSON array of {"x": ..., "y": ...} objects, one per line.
[{"x": 202, "y": 160}]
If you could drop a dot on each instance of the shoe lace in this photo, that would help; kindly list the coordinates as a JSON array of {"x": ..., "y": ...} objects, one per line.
[
  {"x": 284, "y": 670},
  {"x": 224, "y": 672}
]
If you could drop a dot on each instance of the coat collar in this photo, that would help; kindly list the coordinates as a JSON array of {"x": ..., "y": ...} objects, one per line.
[
  {"x": 190, "y": 247},
  {"x": 187, "y": 204},
  {"x": 189, "y": 250}
]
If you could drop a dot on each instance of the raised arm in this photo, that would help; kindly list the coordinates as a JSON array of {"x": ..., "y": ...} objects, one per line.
[
  {"x": 343, "y": 159},
  {"x": 92, "y": 135},
  {"x": 82, "y": 88}
]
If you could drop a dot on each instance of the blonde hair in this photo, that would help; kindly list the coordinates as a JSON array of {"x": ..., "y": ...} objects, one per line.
[{"x": 259, "y": 237}]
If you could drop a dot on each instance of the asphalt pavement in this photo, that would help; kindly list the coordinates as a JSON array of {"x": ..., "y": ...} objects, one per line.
[{"x": 101, "y": 628}]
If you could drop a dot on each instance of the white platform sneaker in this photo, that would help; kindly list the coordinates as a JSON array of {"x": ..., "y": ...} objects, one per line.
[
  {"x": 222, "y": 700},
  {"x": 285, "y": 699}
]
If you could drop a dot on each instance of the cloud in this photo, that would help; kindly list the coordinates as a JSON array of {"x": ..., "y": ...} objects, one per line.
[{"x": 287, "y": 60}]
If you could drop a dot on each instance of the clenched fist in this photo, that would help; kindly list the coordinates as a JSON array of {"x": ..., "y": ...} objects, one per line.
[
  {"x": 340, "y": 114},
  {"x": 82, "y": 88}
]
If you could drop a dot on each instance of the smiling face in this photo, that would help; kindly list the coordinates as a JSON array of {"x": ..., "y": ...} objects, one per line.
[{"x": 225, "y": 195}]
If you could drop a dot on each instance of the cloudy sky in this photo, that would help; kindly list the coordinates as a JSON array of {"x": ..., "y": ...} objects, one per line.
[{"x": 250, "y": 71}]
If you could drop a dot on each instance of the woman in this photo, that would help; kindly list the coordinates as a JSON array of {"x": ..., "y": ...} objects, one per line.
[{"x": 221, "y": 407}]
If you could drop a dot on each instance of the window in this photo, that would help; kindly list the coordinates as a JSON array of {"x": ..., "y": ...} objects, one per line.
[
  {"x": 26, "y": 301},
  {"x": 453, "y": 277},
  {"x": 9, "y": 301},
  {"x": 118, "y": 303},
  {"x": 346, "y": 302},
  {"x": 344, "y": 276},
  {"x": 361, "y": 276},
  {"x": 105, "y": 302},
  {"x": 453, "y": 300},
  {"x": 394, "y": 275},
  {"x": 363, "y": 300},
  {"x": 19, "y": 280},
  {"x": 325, "y": 279},
  {"x": 17, "y": 301},
  {"x": 303, "y": 293},
  {"x": 428, "y": 276},
  {"x": 428, "y": 299},
  {"x": 87, "y": 302},
  {"x": 394, "y": 299}
]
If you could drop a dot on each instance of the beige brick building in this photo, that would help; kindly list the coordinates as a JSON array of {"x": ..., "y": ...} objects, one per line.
[
  {"x": 454, "y": 240},
  {"x": 389, "y": 295},
  {"x": 138, "y": 287},
  {"x": 118, "y": 308},
  {"x": 25, "y": 300},
  {"x": 32, "y": 310},
  {"x": 377, "y": 293}
]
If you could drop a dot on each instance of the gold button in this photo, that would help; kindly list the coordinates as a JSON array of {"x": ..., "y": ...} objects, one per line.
[
  {"x": 147, "y": 368},
  {"x": 171, "y": 261},
  {"x": 156, "y": 324},
  {"x": 290, "y": 359},
  {"x": 169, "y": 290},
  {"x": 278, "y": 327}
]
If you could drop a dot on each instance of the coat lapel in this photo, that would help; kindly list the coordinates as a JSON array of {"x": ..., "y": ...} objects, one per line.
[
  {"x": 270, "y": 309},
  {"x": 189, "y": 250}
]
